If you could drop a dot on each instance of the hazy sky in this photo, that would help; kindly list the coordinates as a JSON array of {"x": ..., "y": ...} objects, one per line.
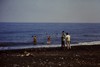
[{"x": 49, "y": 10}]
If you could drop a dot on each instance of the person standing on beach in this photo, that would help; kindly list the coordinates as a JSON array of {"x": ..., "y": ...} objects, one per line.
[
  {"x": 48, "y": 40},
  {"x": 34, "y": 40},
  {"x": 63, "y": 39},
  {"x": 68, "y": 41}
]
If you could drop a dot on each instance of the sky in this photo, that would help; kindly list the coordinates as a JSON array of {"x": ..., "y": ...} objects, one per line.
[{"x": 50, "y": 11}]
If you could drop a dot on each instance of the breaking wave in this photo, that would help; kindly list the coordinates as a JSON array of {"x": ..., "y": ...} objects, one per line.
[{"x": 30, "y": 45}]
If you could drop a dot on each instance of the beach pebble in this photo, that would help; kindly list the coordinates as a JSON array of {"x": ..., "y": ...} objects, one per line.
[
  {"x": 34, "y": 62},
  {"x": 28, "y": 66},
  {"x": 50, "y": 66},
  {"x": 77, "y": 55},
  {"x": 32, "y": 54},
  {"x": 59, "y": 64},
  {"x": 22, "y": 55},
  {"x": 98, "y": 63},
  {"x": 42, "y": 63},
  {"x": 62, "y": 58},
  {"x": 27, "y": 54},
  {"x": 18, "y": 55},
  {"x": 46, "y": 60},
  {"x": 39, "y": 59},
  {"x": 63, "y": 62},
  {"x": 15, "y": 65},
  {"x": 50, "y": 63}
]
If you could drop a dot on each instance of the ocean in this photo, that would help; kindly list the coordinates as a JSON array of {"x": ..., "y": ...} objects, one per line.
[{"x": 20, "y": 34}]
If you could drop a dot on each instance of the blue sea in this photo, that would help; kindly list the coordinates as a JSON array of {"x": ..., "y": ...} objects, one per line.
[{"x": 20, "y": 34}]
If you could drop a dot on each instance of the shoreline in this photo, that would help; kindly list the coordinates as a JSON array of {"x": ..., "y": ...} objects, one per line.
[
  {"x": 18, "y": 47},
  {"x": 78, "y": 47},
  {"x": 15, "y": 46}
]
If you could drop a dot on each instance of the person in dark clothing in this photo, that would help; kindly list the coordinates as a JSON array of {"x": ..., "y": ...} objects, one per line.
[{"x": 63, "y": 39}]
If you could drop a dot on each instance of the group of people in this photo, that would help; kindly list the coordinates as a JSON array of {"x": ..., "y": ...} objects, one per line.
[
  {"x": 35, "y": 40},
  {"x": 65, "y": 40}
]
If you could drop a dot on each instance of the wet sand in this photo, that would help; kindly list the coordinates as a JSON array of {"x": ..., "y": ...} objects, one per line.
[{"x": 77, "y": 56}]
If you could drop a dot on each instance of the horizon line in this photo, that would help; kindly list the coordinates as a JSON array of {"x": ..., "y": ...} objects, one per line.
[{"x": 48, "y": 22}]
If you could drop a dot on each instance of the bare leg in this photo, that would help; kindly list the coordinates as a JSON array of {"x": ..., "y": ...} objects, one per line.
[{"x": 68, "y": 45}]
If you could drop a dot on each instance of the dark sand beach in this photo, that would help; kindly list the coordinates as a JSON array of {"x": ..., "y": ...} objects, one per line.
[{"x": 78, "y": 56}]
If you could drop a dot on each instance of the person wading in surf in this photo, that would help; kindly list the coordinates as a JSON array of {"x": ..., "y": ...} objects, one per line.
[
  {"x": 34, "y": 40},
  {"x": 48, "y": 40}
]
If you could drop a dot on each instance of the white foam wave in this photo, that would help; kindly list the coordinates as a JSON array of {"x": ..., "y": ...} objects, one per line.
[
  {"x": 90, "y": 43},
  {"x": 47, "y": 46}
]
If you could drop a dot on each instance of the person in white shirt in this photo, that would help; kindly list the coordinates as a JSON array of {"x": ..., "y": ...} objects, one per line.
[{"x": 68, "y": 41}]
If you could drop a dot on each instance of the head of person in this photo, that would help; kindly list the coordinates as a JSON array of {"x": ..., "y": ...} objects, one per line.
[
  {"x": 62, "y": 31},
  {"x": 48, "y": 36},
  {"x": 34, "y": 36},
  {"x": 66, "y": 33}
]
